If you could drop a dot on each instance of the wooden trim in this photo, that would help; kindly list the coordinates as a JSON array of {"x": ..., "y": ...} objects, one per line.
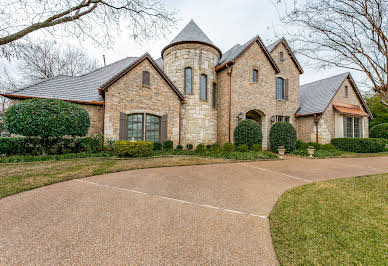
[
  {"x": 198, "y": 42},
  {"x": 13, "y": 96},
  {"x": 224, "y": 65}
]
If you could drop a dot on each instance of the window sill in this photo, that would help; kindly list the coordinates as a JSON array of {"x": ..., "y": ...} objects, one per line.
[
  {"x": 146, "y": 86},
  {"x": 282, "y": 100}
]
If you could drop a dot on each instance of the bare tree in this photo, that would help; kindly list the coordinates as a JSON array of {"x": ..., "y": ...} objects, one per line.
[
  {"x": 7, "y": 84},
  {"x": 95, "y": 19},
  {"x": 350, "y": 34},
  {"x": 47, "y": 59}
]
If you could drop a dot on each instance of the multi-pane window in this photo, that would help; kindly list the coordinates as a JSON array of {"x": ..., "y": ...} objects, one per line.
[
  {"x": 188, "y": 80},
  {"x": 349, "y": 127},
  {"x": 280, "y": 118},
  {"x": 203, "y": 87},
  {"x": 353, "y": 127},
  {"x": 152, "y": 132},
  {"x": 357, "y": 127},
  {"x": 255, "y": 75},
  {"x": 135, "y": 126},
  {"x": 214, "y": 95},
  {"x": 146, "y": 78},
  {"x": 279, "y": 88},
  {"x": 346, "y": 91}
]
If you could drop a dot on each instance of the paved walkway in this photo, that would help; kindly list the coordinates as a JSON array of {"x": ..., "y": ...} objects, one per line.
[{"x": 209, "y": 214}]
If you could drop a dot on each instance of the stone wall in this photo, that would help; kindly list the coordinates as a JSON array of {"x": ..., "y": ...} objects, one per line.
[
  {"x": 260, "y": 96},
  {"x": 127, "y": 95},
  {"x": 199, "y": 118}
]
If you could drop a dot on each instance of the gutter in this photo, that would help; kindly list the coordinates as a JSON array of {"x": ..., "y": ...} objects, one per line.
[{"x": 13, "y": 96}]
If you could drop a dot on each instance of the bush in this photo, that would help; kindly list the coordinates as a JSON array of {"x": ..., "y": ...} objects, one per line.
[
  {"x": 228, "y": 147},
  {"x": 168, "y": 145},
  {"x": 328, "y": 147},
  {"x": 247, "y": 132},
  {"x": 282, "y": 134},
  {"x": 179, "y": 147},
  {"x": 300, "y": 145},
  {"x": 208, "y": 147},
  {"x": 189, "y": 147},
  {"x": 109, "y": 144},
  {"x": 243, "y": 148},
  {"x": 359, "y": 145},
  {"x": 126, "y": 148},
  {"x": 256, "y": 147},
  {"x": 158, "y": 146},
  {"x": 215, "y": 148},
  {"x": 379, "y": 131},
  {"x": 200, "y": 148},
  {"x": 316, "y": 146}
]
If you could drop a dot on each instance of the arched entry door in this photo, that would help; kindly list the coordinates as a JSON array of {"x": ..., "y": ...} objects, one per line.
[{"x": 255, "y": 115}]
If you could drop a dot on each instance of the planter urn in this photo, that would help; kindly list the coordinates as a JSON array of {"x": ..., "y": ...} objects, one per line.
[
  {"x": 311, "y": 152},
  {"x": 281, "y": 152}
]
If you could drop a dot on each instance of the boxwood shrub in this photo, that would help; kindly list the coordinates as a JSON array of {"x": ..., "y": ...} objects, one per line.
[
  {"x": 200, "y": 148},
  {"x": 126, "y": 148},
  {"x": 247, "y": 132},
  {"x": 256, "y": 147},
  {"x": 379, "y": 131},
  {"x": 228, "y": 147},
  {"x": 360, "y": 145},
  {"x": 282, "y": 134},
  {"x": 243, "y": 148},
  {"x": 168, "y": 145}
]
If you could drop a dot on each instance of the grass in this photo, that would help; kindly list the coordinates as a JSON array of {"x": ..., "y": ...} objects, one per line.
[
  {"x": 337, "y": 222},
  {"x": 15, "y": 178}
]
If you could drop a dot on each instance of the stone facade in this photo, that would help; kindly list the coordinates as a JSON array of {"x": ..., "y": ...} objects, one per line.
[
  {"x": 199, "y": 118},
  {"x": 128, "y": 95},
  {"x": 260, "y": 96}
]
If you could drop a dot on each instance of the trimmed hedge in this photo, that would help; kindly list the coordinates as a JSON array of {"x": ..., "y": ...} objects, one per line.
[
  {"x": 228, "y": 147},
  {"x": 360, "y": 145},
  {"x": 282, "y": 134},
  {"x": 379, "y": 131},
  {"x": 126, "y": 148},
  {"x": 247, "y": 132}
]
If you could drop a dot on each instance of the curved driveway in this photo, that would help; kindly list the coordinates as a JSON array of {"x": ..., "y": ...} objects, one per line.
[{"x": 205, "y": 214}]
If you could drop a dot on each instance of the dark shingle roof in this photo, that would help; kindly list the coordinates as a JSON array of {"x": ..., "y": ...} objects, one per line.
[
  {"x": 160, "y": 63},
  {"x": 317, "y": 95},
  {"x": 273, "y": 45},
  {"x": 80, "y": 88}
]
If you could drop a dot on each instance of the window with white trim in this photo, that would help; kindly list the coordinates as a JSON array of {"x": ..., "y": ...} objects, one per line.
[{"x": 353, "y": 127}]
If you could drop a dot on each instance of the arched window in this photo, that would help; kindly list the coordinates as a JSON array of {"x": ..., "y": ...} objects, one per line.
[
  {"x": 255, "y": 75},
  {"x": 143, "y": 126},
  {"x": 281, "y": 56},
  {"x": 135, "y": 126},
  {"x": 203, "y": 87},
  {"x": 346, "y": 91},
  {"x": 188, "y": 80},
  {"x": 279, "y": 88},
  {"x": 146, "y": 78},
  {"x": 214, "y": 95}
]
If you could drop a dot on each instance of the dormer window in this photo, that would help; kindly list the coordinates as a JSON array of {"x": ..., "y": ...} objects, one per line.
[
  {"x": 255, "y": 75},
  {"x": 281, "y": 56},
  {"x": 146, "y": 78}
]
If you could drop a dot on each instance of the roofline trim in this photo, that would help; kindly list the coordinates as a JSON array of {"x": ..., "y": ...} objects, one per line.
[
  {"x": 105, "y": 86},
  {"x": 15, "y": 96},
  {"x": 199, "y": 42},
  {"x": 290, "y": 52},
  {"x": 312, "y": 114}
]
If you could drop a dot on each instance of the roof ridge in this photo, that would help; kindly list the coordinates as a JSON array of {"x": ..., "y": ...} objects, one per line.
[
  {"x": 35, "y": 83},
  {"x": 107, "y": 65},
  {"x": 325, "y": 79}
]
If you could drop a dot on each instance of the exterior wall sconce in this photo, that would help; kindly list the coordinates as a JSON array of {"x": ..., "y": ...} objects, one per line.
[
  {"x": 273, "y": 119},
  {"x": 239, "y": 117}
]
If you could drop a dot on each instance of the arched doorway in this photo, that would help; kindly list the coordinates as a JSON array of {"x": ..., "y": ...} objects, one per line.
[{"x": 255, "y": 115}]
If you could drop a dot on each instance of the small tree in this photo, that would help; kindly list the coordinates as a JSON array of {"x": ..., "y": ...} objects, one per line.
[
  {"x": 247, "y": 132},
  {"x": 47, "y": 118},
  {"x": 282, "y": 134}
]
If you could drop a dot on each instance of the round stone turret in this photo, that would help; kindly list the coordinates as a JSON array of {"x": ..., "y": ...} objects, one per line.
[{"x": 192, "y": 51}]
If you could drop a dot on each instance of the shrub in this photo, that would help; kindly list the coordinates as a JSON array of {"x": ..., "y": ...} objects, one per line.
[
  {"x": 109, "y": 144},
  {"x": 189, "y": 147},
  {"x": 379, "y": 131},
  {"x": 316, "y": 146},
  {"x": 208, "y": 147},
  {"x": 328, "y": 147},
  {"x": 200, "y": 148},
  {"x": 158, "y": 146},
  {"x": 359, "y": 145},
  {"x": 228, "y": 147},
  {"x": 301, "y": 145},
  {"x": 168, "y": 145},
  {"x": 215, "y": 148},
  {"x": 243, "y": 148},
  {"x": 256, "y": 147},
  {"x": 282, "y": 134},
  {"x": 126, "y": 148},
  {"x": 247, "y": 132},
  {"x": 179, "y": 147}
]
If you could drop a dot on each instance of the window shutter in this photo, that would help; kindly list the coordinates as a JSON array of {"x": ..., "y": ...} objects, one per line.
[
  {"x": 286, "y": 89},
  {"x": 123, "y": 134},
  {"x": 345, "y": 128},
  {"x": 163, "y": 133}
]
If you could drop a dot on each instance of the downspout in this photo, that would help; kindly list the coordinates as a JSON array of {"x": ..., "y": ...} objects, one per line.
[
  {"x": 230, "y": 101},
  {"x": 103, "y": 118},
  {"x": 180, "y": 121},
  {"x": 316, "y": 121}
]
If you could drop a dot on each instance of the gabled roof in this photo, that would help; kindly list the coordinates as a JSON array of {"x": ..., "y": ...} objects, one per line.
[
  {"x": 85, "y": 88},
  {"x": 191, "y": 33},
  {"x": 233, "y": 53},
  {"x": 316, "y": 96},
  {"x": 283, "y": 41}
]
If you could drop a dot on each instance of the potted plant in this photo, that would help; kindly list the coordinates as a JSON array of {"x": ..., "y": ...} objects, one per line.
[
  {"x": 311, "y": 151},
  {"x": 281, "y": 151}
]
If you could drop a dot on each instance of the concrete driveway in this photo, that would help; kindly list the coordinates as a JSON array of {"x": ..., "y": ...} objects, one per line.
[{"x": 209, "y": 214}]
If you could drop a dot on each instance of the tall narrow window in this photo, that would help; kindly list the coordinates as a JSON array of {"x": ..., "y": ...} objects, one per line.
[
  {"x": 152, "y": 132},
  {"x": 255, "y": 75},
  {"x": 203, "y": 88},
  {"x": 146, "y": 78},
  {"x": 279, "y": 88},
  {"x": 346, "y": 91},
  {"x": 188, "y": 80},
  {"x": 214, "y": 95},
  {"x": 349, "y": 127},
  {"x": 357, "y": 127},
  {"x": 281, "y": 56},
  {"x": 135, "y": 126}
]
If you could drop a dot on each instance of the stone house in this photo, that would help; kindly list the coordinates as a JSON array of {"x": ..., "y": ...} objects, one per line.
[{"x": 196, "y": 94}]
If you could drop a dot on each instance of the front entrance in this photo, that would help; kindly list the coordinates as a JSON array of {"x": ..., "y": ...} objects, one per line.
[
  {"x": 260, "y": 118},
  {"x": 254, "y": 115}
]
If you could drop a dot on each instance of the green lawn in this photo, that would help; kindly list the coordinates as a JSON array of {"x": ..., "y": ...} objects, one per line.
[{"x": 337, "y": 222}]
